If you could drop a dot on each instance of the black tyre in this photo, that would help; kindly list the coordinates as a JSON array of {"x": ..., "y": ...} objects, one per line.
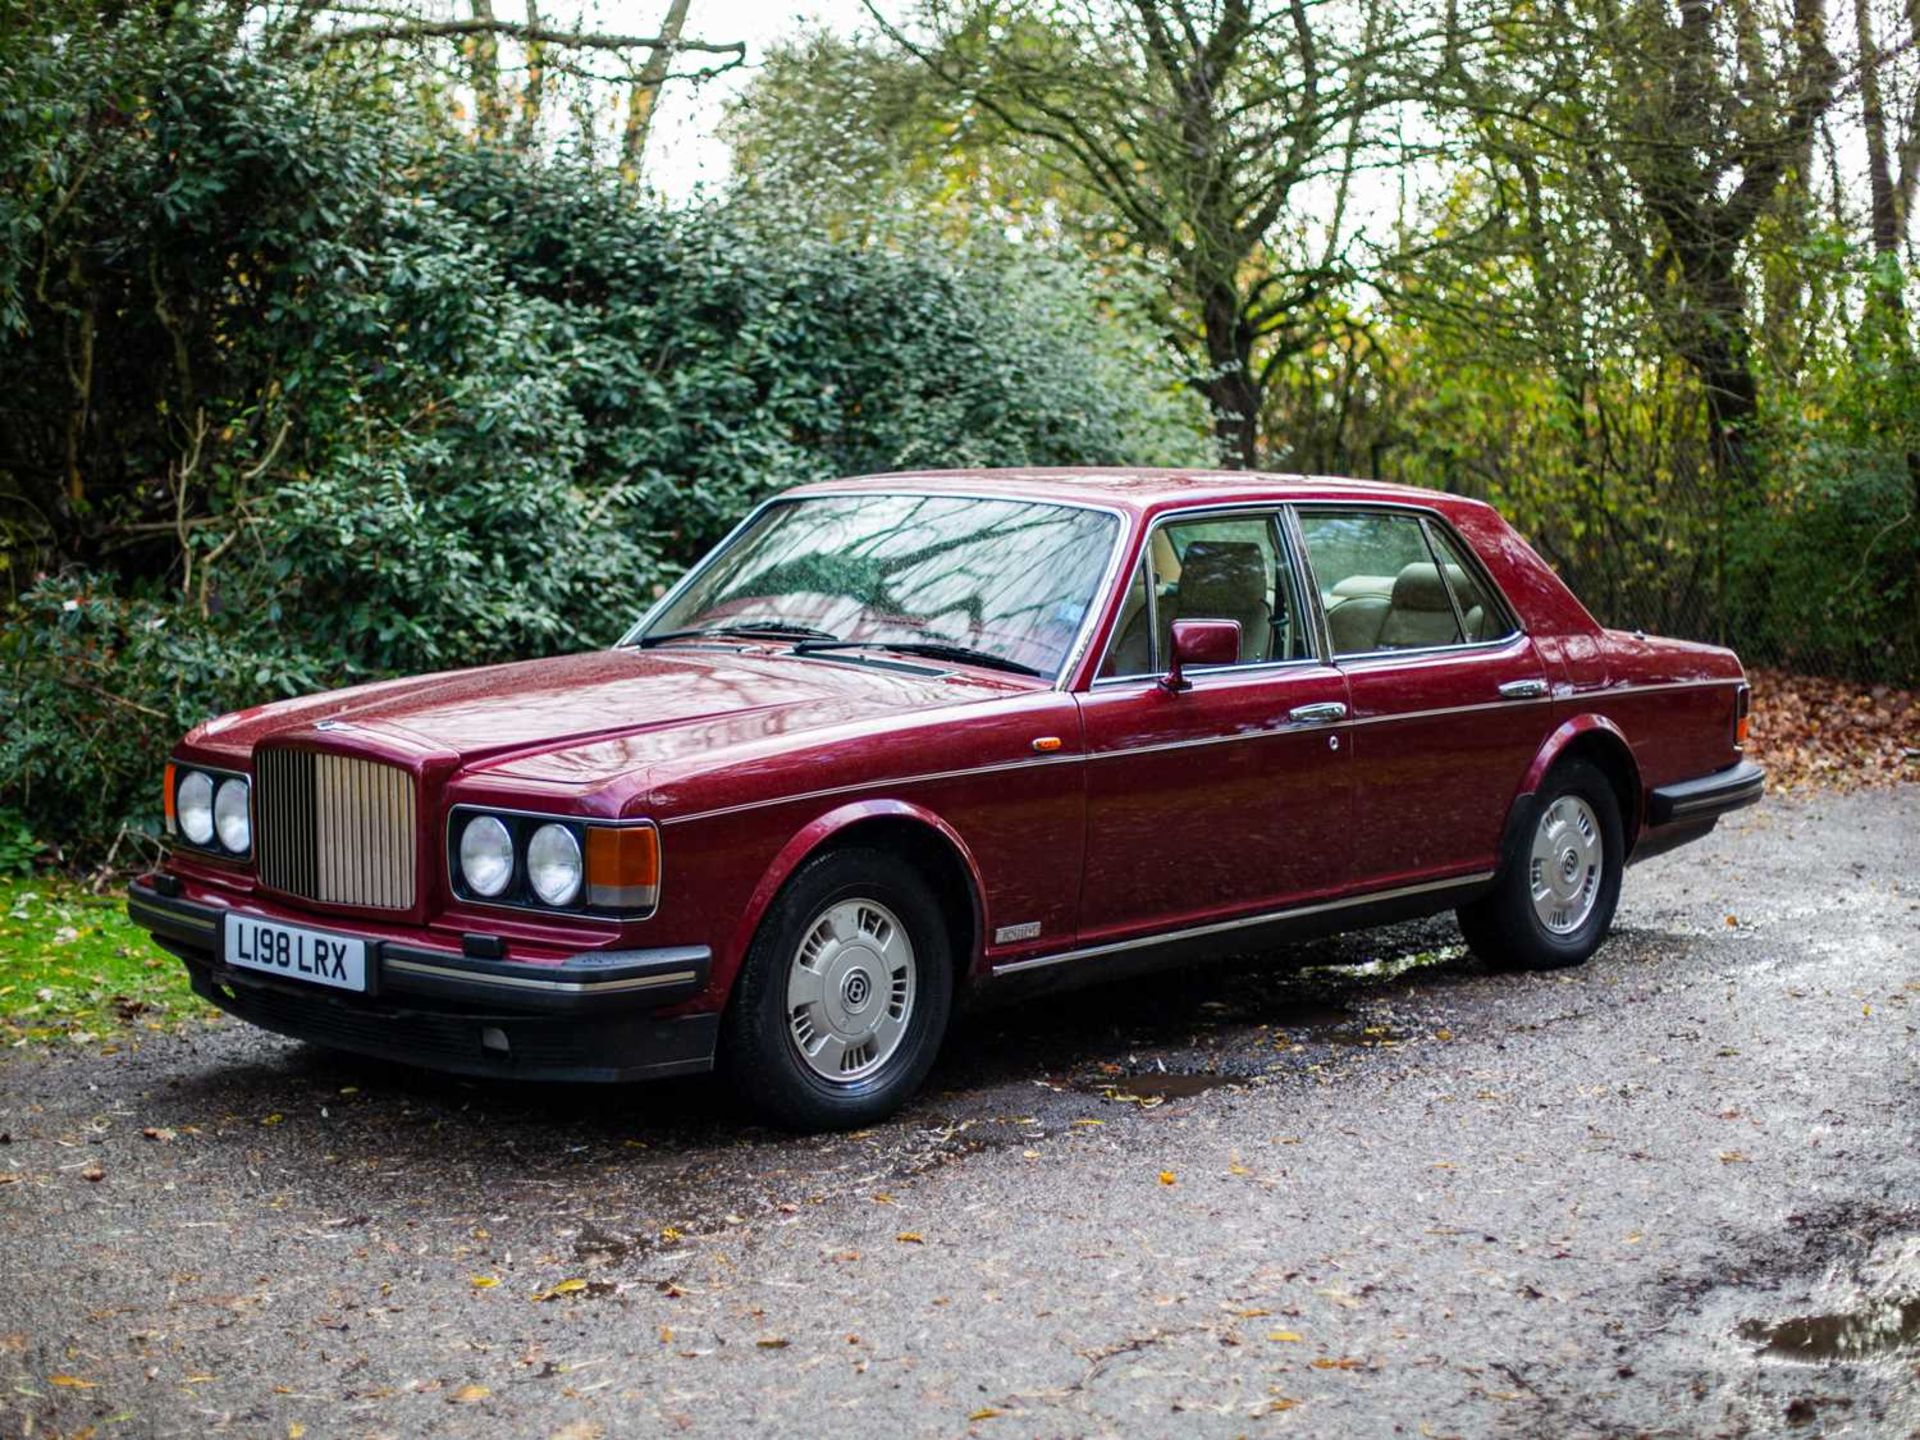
[
  {"x": 1559, "y": 882},
  {"x": 843, "y": 1000}
]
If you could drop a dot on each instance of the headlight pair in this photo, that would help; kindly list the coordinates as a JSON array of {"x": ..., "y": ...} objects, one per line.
[
  {"x": 555, "y": 869},
  {"x": 539, "y": 862},
  {"x": 210, "y": 809}
]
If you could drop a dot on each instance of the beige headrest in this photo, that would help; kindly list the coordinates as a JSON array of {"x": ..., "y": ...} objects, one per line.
[{"x": 1419, "y": 587}]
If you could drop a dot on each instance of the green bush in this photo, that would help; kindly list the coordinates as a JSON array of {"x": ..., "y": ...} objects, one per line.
[
  {"x": 1825, "y": 576},
  {"x": 95, "y": 687}
]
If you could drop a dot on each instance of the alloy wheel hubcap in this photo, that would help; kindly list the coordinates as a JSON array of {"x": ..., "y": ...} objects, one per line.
[
  {"x": 850, "y": 990},
  {"x": 1564, "y": 874}
]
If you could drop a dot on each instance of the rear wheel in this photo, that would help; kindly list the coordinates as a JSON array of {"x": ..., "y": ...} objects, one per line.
[
  {"x": 1559, "y": 882},
  {"x": 843, "y": 1000}
]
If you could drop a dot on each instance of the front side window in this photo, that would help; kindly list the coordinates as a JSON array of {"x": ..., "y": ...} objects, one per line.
[
  {"x": 1008, "y": 579},
  {"x": 1217, "y": 568},
  {"x": 1378, "y": 581}
]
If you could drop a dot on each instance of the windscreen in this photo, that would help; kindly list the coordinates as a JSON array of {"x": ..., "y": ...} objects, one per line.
[{"x": 1010, "y": 578}]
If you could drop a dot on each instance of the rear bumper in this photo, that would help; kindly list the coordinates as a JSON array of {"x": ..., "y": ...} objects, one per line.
[
  {"x": 588, "y": 1017},
  {"x": 1708, "y": 797},
  {"x": 1689, "y": 809}
]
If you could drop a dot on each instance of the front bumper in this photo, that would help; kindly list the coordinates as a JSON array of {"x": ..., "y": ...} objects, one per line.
[{"x": 588, "y": 1017}]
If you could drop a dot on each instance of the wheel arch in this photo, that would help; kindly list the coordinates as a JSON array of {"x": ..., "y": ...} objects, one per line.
[
  {"x": 1597, "y": 739},
  {"x": 917, "y": 835}
]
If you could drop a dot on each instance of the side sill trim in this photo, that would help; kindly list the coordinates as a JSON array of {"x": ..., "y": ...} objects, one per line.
[{"x": 1265, "y": 917}]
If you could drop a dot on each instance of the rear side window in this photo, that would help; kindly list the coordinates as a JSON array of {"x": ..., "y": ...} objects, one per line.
[
  {"x": 1481, "y": 613},
  {"x": 1379, "y": 582}
]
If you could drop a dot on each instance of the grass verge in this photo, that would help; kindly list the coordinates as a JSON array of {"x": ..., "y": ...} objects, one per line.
[{"x": 75, "y": 969}]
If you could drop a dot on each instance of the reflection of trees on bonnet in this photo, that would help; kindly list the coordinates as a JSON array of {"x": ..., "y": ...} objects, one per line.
[{"x": 1011, "y": 577}]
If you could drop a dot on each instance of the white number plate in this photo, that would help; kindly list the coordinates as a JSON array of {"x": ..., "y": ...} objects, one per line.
[{"x": 296, "y": 954}]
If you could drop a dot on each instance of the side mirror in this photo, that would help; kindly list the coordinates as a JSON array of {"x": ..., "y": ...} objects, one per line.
[{"x": 1200, "y": 642}]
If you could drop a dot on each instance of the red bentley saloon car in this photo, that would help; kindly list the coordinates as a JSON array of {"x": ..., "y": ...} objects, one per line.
[{"x": 909, "y": 739}]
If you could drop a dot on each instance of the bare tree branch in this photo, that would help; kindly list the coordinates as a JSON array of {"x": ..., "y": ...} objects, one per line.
[{"x": 536, "y": 34}]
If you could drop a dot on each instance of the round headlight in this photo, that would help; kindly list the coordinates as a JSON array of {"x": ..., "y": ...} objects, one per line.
[
  {"x": 230, "y": 816},
  {"x": 553, "y": 864},
  {"x": 486, "y": 855},
  {"x": 194, "y": 806}
]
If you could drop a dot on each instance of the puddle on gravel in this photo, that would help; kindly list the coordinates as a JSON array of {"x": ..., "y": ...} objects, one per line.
[
  {"x": 1877, "y": 1314},
  {"x": 1151, "y": 1089},
  {"x": 1365, "y": 1037},
  {"x": 597, "y": 1246},
  {"x": 1861, "y": 1334},
  {"x": 1385, "y": 967},
  {"x": 1312, "y": 1018}
]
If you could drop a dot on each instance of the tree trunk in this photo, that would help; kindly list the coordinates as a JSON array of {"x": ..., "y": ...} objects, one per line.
[
  {"x": 1719, "y": 357},
  {"x": 1233, "y": 395},
  {"x": 483, "y": 73},
  {"x": 1883, "y": 194},
  {"x": 527, "y": 136},
  {"x": 646, "y": 89}
]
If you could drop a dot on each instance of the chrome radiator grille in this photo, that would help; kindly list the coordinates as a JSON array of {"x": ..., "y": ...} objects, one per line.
[{"x": 334, "y": 828}]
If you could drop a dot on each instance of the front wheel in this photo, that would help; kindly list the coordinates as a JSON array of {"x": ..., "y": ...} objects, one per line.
[
  {"x": 843, "y": 1000},
  {"x": 1559, "y": 883}
]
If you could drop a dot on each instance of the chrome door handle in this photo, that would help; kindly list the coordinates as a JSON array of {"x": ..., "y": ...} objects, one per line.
[
  {"x": 1316, "y": 714},
  {"x": 1524, "y": 690}
]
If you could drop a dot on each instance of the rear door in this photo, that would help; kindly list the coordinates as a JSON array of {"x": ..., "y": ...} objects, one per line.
[
  {"x": 1450, "y": 701},
  {"x": 1230, "y": 797}
]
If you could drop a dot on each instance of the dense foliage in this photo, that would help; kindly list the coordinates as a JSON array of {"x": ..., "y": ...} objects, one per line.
[{"x": 297, "y": 390}]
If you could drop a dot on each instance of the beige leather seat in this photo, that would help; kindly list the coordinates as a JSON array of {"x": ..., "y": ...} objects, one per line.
[
  {"x": 1420, "y": 612},
  {"x": 1224, "y": 580},
  {"x": 1354, "y": 621}
]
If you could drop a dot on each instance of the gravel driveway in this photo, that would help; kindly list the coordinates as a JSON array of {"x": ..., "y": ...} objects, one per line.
[{"x": 1674, "y": 1192}]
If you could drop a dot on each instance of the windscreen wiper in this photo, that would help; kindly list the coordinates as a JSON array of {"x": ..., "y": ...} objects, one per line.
[
  {"x": 741, "y": 630},
  {"x": 931, "y": 649}
]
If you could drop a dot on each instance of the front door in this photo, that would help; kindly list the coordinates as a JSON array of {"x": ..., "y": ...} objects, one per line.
[{"x": 1228, "y": 798}]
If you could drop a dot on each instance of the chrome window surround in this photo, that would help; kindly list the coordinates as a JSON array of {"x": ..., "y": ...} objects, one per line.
[
  {"x": 1286, "y": 538},
  {"x": 1427, "y": 516},
  {"x": 213, "y": 849},
  {"x": 1069, "y": 662},
  {"x": 1274, "y": 513},
  {"x": 579, "y": 824}
]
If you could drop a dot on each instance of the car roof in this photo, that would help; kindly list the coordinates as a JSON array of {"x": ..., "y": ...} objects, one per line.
[{"x": 1142, "y": 491}]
